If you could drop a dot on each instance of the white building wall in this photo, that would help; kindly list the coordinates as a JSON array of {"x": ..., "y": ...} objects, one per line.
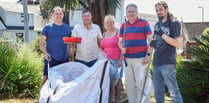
[
  {"x": 2, "y": 27},
  {"x": 14, "y": 19},
  {"x": 119, "y": 15},
  {"x": 2, "y": 14},
  {"x": 75, "y": 17},
  {"x": 32, "y": 34}
]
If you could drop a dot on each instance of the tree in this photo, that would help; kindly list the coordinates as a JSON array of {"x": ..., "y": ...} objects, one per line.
[{"x": 99, "y": 8}]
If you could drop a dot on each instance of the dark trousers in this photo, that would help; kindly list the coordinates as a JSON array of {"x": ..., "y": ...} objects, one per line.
[{"x": 52, "y": 63}]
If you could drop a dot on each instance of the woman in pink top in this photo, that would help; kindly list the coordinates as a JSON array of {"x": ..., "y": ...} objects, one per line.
[{"x": 110, "y": 47}]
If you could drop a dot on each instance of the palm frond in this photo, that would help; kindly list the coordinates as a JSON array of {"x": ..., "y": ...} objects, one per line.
[{"x": 193, "y": 78}]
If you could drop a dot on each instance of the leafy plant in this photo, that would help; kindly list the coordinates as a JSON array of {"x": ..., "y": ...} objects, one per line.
[
  {"x": 35, "y": 45},
  {"x": 20, "y": 71},
  {"x": 193, "y": 76}
]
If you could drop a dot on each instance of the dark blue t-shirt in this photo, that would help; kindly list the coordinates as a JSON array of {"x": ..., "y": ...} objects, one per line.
[
  {"x": 164, "y": 52},
  {"x": 55, "y": 45}
]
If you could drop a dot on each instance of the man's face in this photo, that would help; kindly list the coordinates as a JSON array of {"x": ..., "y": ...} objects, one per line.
[
  {"x": 161, "y": 11},
  {"x": 131, "y": 13},
  {"x": 58, "y": 15},
  {"x": 86, "y": 17}
]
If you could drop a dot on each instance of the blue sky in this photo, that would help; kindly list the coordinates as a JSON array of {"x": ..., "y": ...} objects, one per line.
[{"x": 186, "y": 9}]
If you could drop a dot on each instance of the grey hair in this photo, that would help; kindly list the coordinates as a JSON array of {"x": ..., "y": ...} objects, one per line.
[{"x": 131, "y": 5}]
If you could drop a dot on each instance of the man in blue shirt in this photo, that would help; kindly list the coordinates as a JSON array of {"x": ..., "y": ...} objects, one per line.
[
  {"x": 56, "y": 52},
  {"x": 167, "y": 31}
]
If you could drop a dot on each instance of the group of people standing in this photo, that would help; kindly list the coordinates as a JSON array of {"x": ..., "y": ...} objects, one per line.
[{"x": 133, "y": 42}]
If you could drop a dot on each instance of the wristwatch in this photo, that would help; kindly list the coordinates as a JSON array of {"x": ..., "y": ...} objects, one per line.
[{"x": 148, "y": 54}]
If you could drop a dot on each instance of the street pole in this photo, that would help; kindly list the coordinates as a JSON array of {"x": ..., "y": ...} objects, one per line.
[
  {"x": 202, "y": 13},
  {"x": 25, "y": 10}
]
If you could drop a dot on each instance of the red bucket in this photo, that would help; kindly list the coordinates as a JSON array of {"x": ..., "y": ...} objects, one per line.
[{"x": 72, "y": 39}]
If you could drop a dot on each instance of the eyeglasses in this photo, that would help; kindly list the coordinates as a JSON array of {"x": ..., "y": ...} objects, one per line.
[
  {"x": 86, "y": 16},
  {"x": 131, "y": 11}
]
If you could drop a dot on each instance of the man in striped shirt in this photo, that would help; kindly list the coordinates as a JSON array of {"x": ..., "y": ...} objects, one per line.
[{"x": 135, "y": 35}]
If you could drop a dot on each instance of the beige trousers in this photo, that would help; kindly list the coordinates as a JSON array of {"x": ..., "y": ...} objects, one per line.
[{"x": 134, "y": 81}]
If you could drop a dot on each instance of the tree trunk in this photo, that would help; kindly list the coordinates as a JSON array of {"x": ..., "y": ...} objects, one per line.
[
  {"x": 103, "y": 12},
  {"x": 98, "y": 12}
]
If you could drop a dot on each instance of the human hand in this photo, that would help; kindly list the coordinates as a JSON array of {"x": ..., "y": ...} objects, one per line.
[
  {"x": 146, "y": 60},
  {"x": 159, "y": 28},
  {"x": 120, "y": 63},
  {"x": 48, "y": 57},
  {"x": 153, "y": 43},
  {"x": 123, "y": 50}
]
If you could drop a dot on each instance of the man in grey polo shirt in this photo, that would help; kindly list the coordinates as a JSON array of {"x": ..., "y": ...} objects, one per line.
[{"x": 87, "y": 51}]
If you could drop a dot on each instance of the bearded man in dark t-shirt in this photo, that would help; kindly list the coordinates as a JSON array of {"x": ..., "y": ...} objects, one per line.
[{"x": 167, "y": 31}]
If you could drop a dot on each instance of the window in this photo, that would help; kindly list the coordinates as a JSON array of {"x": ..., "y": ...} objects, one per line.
[
  {"x": 19, "y": 38},
  {"x": 22, "y": 17}
]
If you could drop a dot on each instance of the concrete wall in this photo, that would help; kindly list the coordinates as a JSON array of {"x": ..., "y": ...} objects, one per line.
[{"x": 195, "y": 29}]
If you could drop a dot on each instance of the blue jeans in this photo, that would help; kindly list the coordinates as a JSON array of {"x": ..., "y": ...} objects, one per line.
[
  {"x": 166, "y": 75},
  {"x": 113, "y": 72}
]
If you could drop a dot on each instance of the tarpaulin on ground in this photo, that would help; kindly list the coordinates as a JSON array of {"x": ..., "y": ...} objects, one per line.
[{"x": 74, "y": 82}]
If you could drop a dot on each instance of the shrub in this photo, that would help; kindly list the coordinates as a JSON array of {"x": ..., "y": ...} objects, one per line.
[
  {"x": 20, "y": 72},
  {"x": 193, "y": 76},
  {"x": 35, "y": 45}
]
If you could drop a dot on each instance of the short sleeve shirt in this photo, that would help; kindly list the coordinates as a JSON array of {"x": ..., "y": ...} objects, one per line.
[
  {"x": 165, "y": 53},
  {"x": 54, "y": 40},
  {"x": 88, "y": 49},
  {"x": 135, "y": 38}
]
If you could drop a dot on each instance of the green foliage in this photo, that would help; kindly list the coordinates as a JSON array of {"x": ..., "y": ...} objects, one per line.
[
  {"x": 20, "y": 72},
  {"x": 193, "y": 76},
  {"x": 206, "y": 32},
  {"x": 47, "y": 6},
  {"x": 35, "y": 45},
  {"x": 99, "y": 7}
]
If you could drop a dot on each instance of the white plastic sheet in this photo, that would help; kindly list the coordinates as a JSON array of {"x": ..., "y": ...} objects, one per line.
[{"x": 74, "y": 82}]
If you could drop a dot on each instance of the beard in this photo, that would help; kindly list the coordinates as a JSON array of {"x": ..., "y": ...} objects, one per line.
[{"x": 160, "y": 17}]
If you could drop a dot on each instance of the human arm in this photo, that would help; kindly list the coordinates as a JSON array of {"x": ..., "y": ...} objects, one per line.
[
  {"x": 43, "y": 49},
  {"x": 148, "y": 33},
  {"x": 149, "y": 51},
  {"x": 120, "y": 45},
  {"x": 69, "y": 46},
  {"x": 72, "y": 46},
  {"x": 72, "y": 51},
  {"x": 99, "y": 37},
  {"x": 121, "y": 56},
  {"x": 176, "y": 28},
  {"x": 171, "y": 41},
  {"x": 99, "y": 42}
]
